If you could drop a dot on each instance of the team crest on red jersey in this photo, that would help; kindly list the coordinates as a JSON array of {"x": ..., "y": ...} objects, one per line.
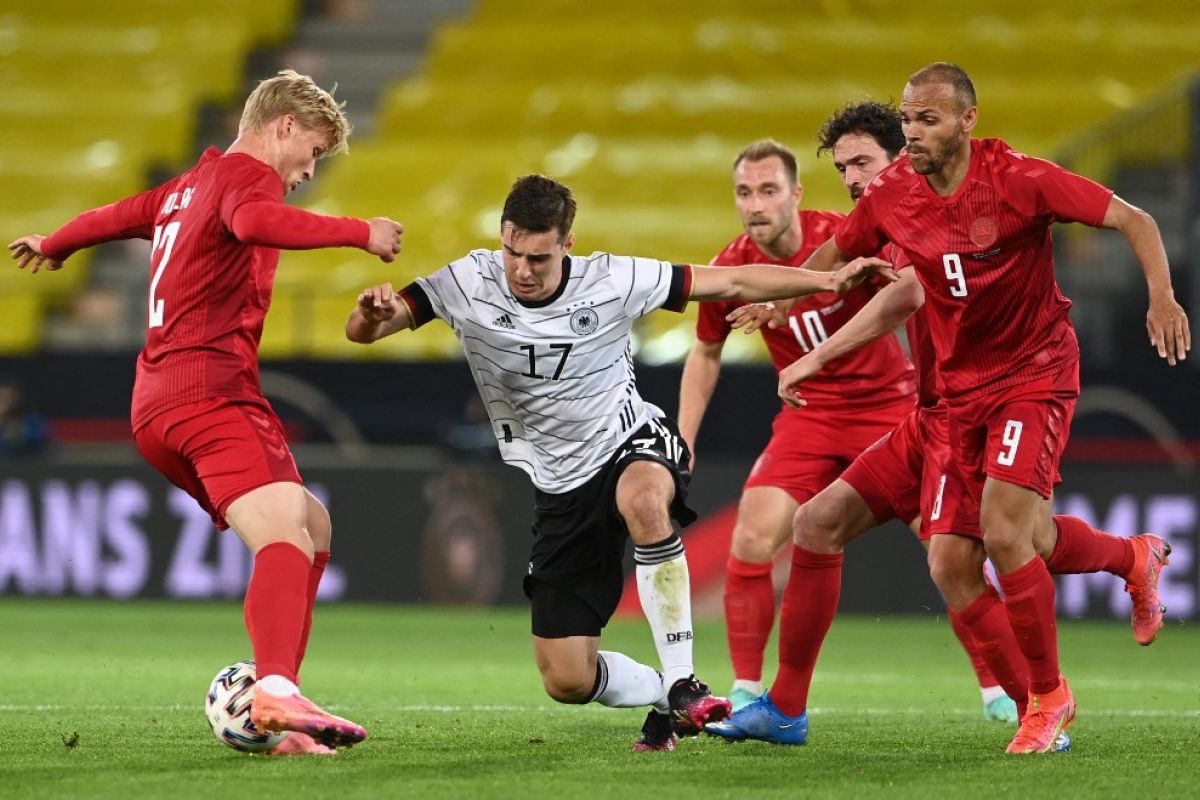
[{"x": 983, "y": 232}]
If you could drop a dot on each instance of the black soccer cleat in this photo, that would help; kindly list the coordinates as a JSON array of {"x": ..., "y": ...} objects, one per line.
[
  {"x": 693, "y": 706},
  {"x": 657, "y": 734}
]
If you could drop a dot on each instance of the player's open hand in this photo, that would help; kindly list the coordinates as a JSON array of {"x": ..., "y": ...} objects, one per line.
[
  {"x": 858, "y": 270},
  {"x": 1167, "y": 324},
  {"x": 379, "y": 303},
  {"x": 27, "y": 252},
  {"x": 753, "y": 316},
  {"x": 794, "y": 374},
  {"x": 385, "y": 238}
]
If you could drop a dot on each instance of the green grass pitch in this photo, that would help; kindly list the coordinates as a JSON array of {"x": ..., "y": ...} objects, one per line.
[{"x": 105, "y": 699}]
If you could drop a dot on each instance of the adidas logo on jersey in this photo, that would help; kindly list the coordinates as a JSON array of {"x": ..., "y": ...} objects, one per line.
[{"x": 503, "y": 321}]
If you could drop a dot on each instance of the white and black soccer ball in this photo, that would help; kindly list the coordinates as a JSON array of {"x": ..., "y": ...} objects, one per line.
[{"x": 228, "y": 709}]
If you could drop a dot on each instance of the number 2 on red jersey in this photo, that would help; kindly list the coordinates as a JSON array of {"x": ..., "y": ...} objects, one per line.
[{"x": 164, "y": 237}]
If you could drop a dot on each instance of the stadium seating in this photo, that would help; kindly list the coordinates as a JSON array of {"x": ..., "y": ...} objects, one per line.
[
  {"x": 95, "y": 95},
  {"x": 640, "y": 111},
  {"x": 643, "y": 113}
]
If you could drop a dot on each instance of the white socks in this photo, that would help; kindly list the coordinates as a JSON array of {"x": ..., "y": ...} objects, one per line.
[
  {"x": 277, "y": 685},
  {"x": 665, "y": 591},
  {"x": 624, "y": 683},
  {"x": 990, "y": 693}
]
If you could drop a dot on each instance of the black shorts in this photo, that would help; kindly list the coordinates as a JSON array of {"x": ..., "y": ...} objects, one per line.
[{"x": 576, "y": 570}]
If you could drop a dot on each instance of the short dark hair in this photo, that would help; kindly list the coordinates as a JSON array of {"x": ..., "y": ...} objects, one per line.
[
  {"x": 878, "y": 120},
  {"x": 952, "y": 74},
  {"x": 766, "y": 148},
  {"x": 539, "y": 204}
]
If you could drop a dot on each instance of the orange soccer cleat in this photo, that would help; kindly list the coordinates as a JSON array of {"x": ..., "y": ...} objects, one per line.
[
  {"x": 1048, "y": 717},
  {"x": 300, "y": 744},
  {"x": 294, "y": 712},
  {"x": 1149, "y": 557}
]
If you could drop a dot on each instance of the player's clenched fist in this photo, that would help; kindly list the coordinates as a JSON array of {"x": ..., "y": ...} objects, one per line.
[{"x": 385, "y": 238}]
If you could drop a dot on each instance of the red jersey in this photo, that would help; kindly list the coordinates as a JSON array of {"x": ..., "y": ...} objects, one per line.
[
  {"x": 876, "y": 374},
  {"x": 984, "y": 257},
  {"x": 209, "y": 290},
  {"x": 920, "y": 343}
]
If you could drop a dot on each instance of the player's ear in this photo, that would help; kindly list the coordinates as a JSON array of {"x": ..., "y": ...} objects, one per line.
[
  {"x": 286, "y": 123},
  {"x": 970, "y": 118},
  {"x": 569, "y": 242}
]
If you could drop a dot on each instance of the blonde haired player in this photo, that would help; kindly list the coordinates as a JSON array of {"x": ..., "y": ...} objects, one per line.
[{"x": 199, "y": 416}]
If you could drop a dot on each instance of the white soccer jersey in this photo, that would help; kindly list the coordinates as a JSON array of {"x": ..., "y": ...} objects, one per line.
[{"x": 556, "y": 375}]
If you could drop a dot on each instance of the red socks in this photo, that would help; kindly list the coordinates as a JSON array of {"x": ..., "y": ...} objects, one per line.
[
  {"x": 749, "y": 615},
  {"x": 274, "y": 608},
  {"x": 1029, "y": 600},
  {"x": 987, "y": 621},
  {"x": 810, "y": 602},
  {"x": 983, "y": 672},
  {"x": 320, "y": 560},
  {"x": 1082, "y": 548}
]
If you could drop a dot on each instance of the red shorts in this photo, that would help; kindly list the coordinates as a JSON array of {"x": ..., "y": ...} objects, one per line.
[
  {"x": 808, "y": 450},
  {"x": 946, "y": 505},
  {"x": 901, "y": 476},
  {"x": 218, "y": 450},
  {"x": 1016, "y": 434}
]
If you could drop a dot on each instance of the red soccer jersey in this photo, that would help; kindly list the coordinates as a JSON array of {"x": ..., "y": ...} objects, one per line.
[
  {"x": 984, "y": 256},
  {"x": 209, "y": 293},
  {"x": 209, "y": 286},
  {"x": 874, "y": 375}
]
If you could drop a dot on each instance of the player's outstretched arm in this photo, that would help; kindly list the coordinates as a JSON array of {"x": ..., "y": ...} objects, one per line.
[
  {"x": 1166, "y": 321},
  {"x": 757, "y": 282},
  {"x": 278, "y": 225},
  {"x": 882, "y": 314},
  {"x": 379, "y": 312},
  {"x": 700, "y": 373},
  {"x": 27, "y": 252},
  {"x": 131, "y": 218}
]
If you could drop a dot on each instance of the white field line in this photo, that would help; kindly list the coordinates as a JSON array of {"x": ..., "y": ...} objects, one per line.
[{"x": 507, "y": 709}]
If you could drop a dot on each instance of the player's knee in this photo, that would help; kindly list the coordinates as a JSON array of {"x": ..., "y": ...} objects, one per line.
[
  {"x": 751, "y": 542},
  {"x": 564, "y": 687},
  {"x": 818, "y": 524},
  {"x": 645, "y": 512},
  {"x": 957, "y": 580}
]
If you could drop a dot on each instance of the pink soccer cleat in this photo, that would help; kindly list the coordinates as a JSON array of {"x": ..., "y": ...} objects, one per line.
[
  {"x": 1149, "y": 557},
  {"x": 693, "y": 706},
  {"x": 295, "y": 712},
  {"x": 1045, "y": 723},
  {"x": 300, "y": 744}
]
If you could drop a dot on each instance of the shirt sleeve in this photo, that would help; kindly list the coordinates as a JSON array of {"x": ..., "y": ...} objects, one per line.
[
  {"x": 646, "y": 284},
  {"x": 859, "y": 234},
  {"x": 446, "y": 292},
  {"x": 711, "y": 325},
  {"x": 1065, "y": 196},
  {"x": 276, "y": 224},
  {"x": 131, "y": 218},
  {"x": 419, "y": 306},
  {"x": 256, "y": 184}
]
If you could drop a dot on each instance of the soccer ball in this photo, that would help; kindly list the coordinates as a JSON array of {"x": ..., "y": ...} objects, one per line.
[{"x": 228, "y": 708}]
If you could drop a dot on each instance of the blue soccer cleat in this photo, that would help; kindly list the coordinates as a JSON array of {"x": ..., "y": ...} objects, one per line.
[{"x": 761, "y": 720}]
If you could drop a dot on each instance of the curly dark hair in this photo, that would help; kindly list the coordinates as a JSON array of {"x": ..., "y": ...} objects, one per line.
[
  {"x": 539, "y": 204},
  {"x": 878, "y": 120}
]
